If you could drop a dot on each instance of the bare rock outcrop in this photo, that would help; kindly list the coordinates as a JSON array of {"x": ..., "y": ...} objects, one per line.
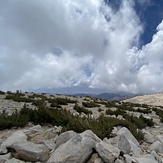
[
  {"x": 31, "y": 152},
  {"x": 107, "y": 152},
  {"x": 78, "y": 149},
  {"x": 73, "y": 147},
  {"x": 15, "y": 137},
  {"x": 64, "y": 137}
]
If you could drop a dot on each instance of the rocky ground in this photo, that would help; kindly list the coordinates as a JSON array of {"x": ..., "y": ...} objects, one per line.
[
  {"x": 35, "y": 143},
  {"x": 151, "y": 99}
]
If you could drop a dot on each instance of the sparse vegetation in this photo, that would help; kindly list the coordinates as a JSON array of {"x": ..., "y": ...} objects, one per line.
[
  {"x": 90, "y": 104},
  {"x": 159, "y": 112},
  {"x": 145, "y": 111},
  {"x": 54, "y": 114},
  {"x": 2, "y": 93},
  {"x": 99, "y": 109},
  {"x": 101, "y": 126},
  {"x": 82, "y": 109},
  {"x": 140, "y": 122}
]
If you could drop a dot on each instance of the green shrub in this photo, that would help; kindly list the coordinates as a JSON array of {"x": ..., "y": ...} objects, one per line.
[
  {"x": 2, "y": 93},
  {"x": 18, "y": 98},
  {"x": 82, "y": 109},
  {"x": 140, "y": 122},
  {"x": 101, "y": 126},
  {"x": 55, "y": 105},
  {"x": 145, "y": 111},
  {"x": 99, "y": 109},
  {"x": 116, "y": 112},
  {"x": 159, "y": 112},
  {"x": 13, "y": 120},
  {"x": 61, "y": 101},
  {"x": 90, "y": 104}
]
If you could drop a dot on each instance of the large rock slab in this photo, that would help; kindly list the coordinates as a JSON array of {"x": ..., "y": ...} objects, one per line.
[
  {"x": 4, "y": 158},
  {"x": 127, "y": 146},
  {"x": 33, "y": 131},
  {"x": 64, "y": 137},
  {"x": 128, "y": 158},
  {"x": 157, "y": 157},
  {"x": 49, "y": 134},
  {"x": 157, "y": 146},
  {"x": 31, "y": 152},
  {"x": 95, "y": 159},
  {"x": 114, "y": 141},
  {"x": 15, "y": 137},
  {"x": 149, "y": 138},
  {"x": 49, "y": 144},
  {"x": 160, "y": 138},
  {"x": 118, "y": 161},
  {"x": 128, "y": 135},
  {"x": 107, "y": 152},
  {"x": 13, "y": 160},
  {"x": 146, "y": 159},
  {"x": 78, "y": 149}
]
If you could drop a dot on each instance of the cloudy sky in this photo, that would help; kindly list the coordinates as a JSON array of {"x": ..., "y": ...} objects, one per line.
[{"x": 112, "y": 45}]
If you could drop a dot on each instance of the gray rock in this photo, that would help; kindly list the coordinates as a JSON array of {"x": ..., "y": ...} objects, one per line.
[
  {"x": 118, "y": 161},
  {"x": 106, "y": 140},
  {"x": 98, "y": 160},
  {"x": 64, "y": 137},
  {"x": 77, "y": 149},
  {"x": 128, "y": 135},
  {"x": 31, "y": 152},
  {"x": 13, "y": 160},
  {"x": 89, "y": 134},
  {"x": 114, "y": 131},
  {"x": 127, "y": 146},
  {"x": 49, "y": 134},
  {"x": 95, "y": 159},
  {"x": 4, "y": 158},
  {"x": 149, "y": 138},
  {"x": 157, "y": 146},
  {"x": 160, "y": 138},
  {"x": 128, "y": 158},
  {"x": 120, "y": 117},
  {"x": 124, "y": 145},
  {"x": 107, "y": 152},
  {"x": 15, "y": 137},
  {"x": 33, "y": 130},
  {"x": 157, "y": 157},
  {"x": 146, "y": 159},
  {"x": 50, "y": 144},
  {"x": 114, "y": 141}
]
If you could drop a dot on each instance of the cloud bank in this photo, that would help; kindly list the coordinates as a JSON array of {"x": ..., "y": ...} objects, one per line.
[{"x": 64, "y": 43}]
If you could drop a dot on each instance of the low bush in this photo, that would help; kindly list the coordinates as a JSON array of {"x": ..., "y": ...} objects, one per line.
[
  {"x": 159, "y": 112},
  {"x": 18, "y": 98},
  {"x": 2, "y": 93},
  {"x": 82, "y": 109},
  {"x": 90, "y": 104},
  {"x": 145, "y": 111},
  {"x": 140, "y": 122},
  {"x": 99, "y": 109},
  {"x": 101, "y": 126}
]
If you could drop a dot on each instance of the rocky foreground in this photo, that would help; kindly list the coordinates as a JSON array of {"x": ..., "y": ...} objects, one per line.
[
  {"x": 48, "y": 143},
  {"x": 38, "y": 144}
]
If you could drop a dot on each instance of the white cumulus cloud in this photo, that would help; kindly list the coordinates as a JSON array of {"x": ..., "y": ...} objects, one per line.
[{"x": 62, "y": 43}]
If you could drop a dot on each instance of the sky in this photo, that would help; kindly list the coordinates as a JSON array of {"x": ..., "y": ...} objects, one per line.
[{"x": 110, "y": 45}]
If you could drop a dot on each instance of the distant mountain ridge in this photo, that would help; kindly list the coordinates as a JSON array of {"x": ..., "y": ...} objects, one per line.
[
  {"x": 109, "y": 96},
  {"x": 84, "y": 91}
]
